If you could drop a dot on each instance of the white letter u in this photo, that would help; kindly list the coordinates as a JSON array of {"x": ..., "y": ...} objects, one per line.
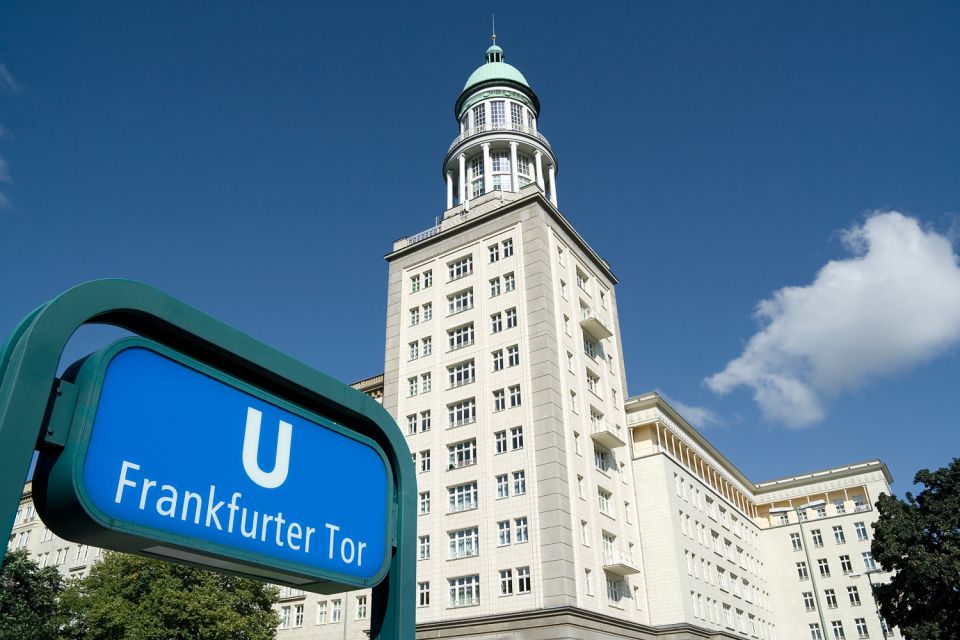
[{"x": 251, "y": 445}]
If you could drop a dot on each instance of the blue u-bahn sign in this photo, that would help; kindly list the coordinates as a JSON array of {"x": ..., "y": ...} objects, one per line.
[
  {"x": 197, "y": 444},
  {"x": 178, "y": 453}
]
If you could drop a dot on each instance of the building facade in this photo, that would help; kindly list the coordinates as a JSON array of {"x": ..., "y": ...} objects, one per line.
[{"x": 551, "y": 504}]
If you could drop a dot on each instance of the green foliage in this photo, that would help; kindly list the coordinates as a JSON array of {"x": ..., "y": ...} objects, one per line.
[
  {"x": 919, "y": 539},
  {"x": 28, "y": 599},
  {"x": 127, "y": 597}
]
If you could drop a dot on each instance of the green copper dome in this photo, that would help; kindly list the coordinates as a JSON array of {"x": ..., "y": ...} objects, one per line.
[{"x": 496, "y": 71}]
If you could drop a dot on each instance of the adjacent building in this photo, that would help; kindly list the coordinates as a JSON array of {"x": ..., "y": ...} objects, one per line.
[{"x": 551, "y": 504}]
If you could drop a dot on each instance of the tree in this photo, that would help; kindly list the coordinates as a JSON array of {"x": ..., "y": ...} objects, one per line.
[
  {"x": 28, "y": 598},
  {"x": 919, "y": 540},
  {"x": 127, "y": 597}
]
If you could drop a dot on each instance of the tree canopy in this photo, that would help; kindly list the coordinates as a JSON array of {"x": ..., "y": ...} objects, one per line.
[
  {"x": 127, "y": 597},
  {"x": 28, "y": 599},
  {"x": 919, "y": 539}
]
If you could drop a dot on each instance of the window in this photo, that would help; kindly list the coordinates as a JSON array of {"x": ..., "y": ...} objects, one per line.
[
  {"x": 560, "y": 256},
  {"x": 861, "y": 624},
  {"x": 424, "y": 502},
  {"x": 845, "y": 565},
  {"x": 476, "y": 176},
  {"x": 584, "y": 533},
  {"x": 614, "y": 591},
  {"x": 412, "y": 386},
  {"x": 460, "y": 268},
  {"x": 511, "y": 317},
  {"x": 423, "y": 594},
  {"x": 497, "y": 116},
  {"x": 414, "y": 285},
  {"x": 503, "y": 532},
  {"x": 284, "y": 617},
  {"x": 509, "y": 282},
  {"x": 499, "y": 400},
  {"x": 592, "y": 348},
  {"x": 513, "y": 356},
  {"x": 461, "y": 373},
  {"x": 861, "y": 530},
  {"x": 414, "y": 316},
  {"x": 859, "y": 504},
  {"x": 506, "y": 582},
  {"x": 464, "y": 591},
  {"x": 424, "y": 547},
  {"x": 336, "y": 611},
  {"x": 582, "y": 279},
  {"x": 464, "y": 543},
  {"x": 494, "y": 251},
  {"x": 523, "y": 579},
  {"x": 573, "y": 402},
  {"x": 831, "y": 598},
  {"x": 361, "y": 607},
  {"x": 321, "y": 612},
  {"x": 463, "y": 412},
  {"x": 588, "y": 582},
  {"x": 427, "y": 344},
  {"x": 462, "y": 454},
  {"x": 425, "y": 461},
  {"x": 503, "y": 486},
  {"x": 817, "y": 538},
  {"x": 815, "y": 633},
  {"x": 566, "y": 325},
  {"x": 507, "y": 247},
  {"x": 581, "y": 493},
  {"x": 460, "y": 301},
  {"x": 461, "y": 336},
  {"x": 520, "y": 526},
  {"x": 838, "y": 536},
  {"x": 496, "y": 322},
  {"x": 498, "y": 360},
  {"x": 563, "y": 290},
  {"x": 514, "y": 395},
  {"x": 593, "y": 382},
  {"x": 519, "y": 483},
  {"x": 426, "y": 382},
  {"x": 838, "y": 505},
  {"x": 868, "y": 562},
  {"x": 802, "y": 572},
  {"x": 516, "y": 115},
  {"x": 837, "y": 627},
  {"x": 479, "y": 116},
  {"x": 795, "y": 542},
  {"x": 576, "y": 444},
  {"x": 854, "y": 596},
  {"x": 494, "y": 287},
  {"x": 808, "y": 600},
  {"x": 500, "y": 439},
  {"x": 823, "y": 567},
  {"x": 462, "y": 497},
  {"x": 427, "y": 311},
  {"x": 603, "y": 498},
  {"x": 428, "y": 278},
  {"x": 425, "y": 420},
  {"x": 602, "y": 458},
  {"x": 516, "y": 438}
]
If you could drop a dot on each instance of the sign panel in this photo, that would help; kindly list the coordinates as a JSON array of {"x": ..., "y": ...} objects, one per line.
[{"x": 175, "y": 452}]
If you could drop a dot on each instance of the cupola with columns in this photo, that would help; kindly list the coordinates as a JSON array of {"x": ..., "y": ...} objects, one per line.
[{"x": 499, "y": 147}]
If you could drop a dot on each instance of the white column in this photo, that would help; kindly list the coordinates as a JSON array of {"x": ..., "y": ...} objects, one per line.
[
  {"x": 553, "y": 185},
  {"x": 463, "y": 180},
  {"x": 449, "y": 189},
  {"x": 513, "y": 167},
  {"x": 487, "y": 169},
  {"x": 539, "y": 157}
]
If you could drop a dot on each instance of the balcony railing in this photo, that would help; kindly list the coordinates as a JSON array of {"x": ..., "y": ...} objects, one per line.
[
  {"x": 607, "y": 434},
  {"x": 620, "y": 562},
  {"x": 594, "y": 324},
  {"x": 487, "y": 128}
]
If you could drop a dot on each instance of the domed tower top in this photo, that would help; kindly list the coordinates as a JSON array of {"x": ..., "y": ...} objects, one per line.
[{"x": 499, "y": 147}]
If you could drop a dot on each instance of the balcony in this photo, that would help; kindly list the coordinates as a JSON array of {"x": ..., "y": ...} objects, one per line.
[
  {"x": 592, "y": 323},
  {"x": 607, "y": 434},
  {"x": 517, "y": 128},
  {"x": 619, "y": 562}
]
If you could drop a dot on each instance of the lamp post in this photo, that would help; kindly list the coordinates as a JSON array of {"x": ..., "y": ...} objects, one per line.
[
  {"x": 869, "y": 573},
  {"x": 806, "y": 553}
]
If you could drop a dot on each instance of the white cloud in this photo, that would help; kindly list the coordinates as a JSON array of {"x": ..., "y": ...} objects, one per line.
[
  {"x": 699, "y": 417},
  {"x": 893, "y": 304},
  {"x": 6, "y": 79}
]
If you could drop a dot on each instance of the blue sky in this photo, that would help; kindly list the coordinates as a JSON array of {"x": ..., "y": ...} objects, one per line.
[{"x": 257, "y": 161}]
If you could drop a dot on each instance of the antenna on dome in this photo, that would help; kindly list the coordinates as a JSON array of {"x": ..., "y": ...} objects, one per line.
[{"x": 493, "y": 22}]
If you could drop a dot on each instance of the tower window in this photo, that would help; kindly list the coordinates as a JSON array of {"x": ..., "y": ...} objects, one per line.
[
  {"x": 497, "y": 115},
  {"x": 500, "y": 161},
  {"x": 516, "y": 115},
  {"x": 479, "y": 116}
]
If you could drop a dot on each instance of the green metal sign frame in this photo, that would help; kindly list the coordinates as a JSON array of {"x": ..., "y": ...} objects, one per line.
[{"x": 34, "y": 414}]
